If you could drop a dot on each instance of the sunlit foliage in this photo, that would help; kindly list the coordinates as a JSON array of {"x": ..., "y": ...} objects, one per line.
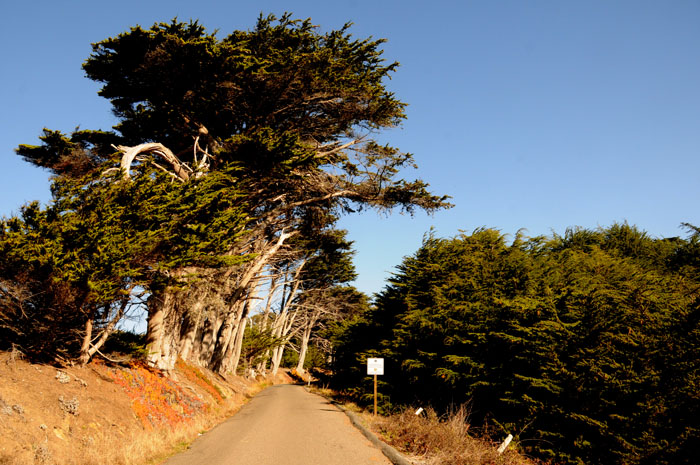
[{"x": 581, "y": 345}]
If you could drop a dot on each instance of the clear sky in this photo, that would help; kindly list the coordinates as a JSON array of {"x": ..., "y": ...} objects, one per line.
[{"x": 531, "y": 114}]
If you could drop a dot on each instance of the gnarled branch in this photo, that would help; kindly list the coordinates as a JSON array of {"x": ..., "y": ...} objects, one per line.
[{"x": 180, "y": 170}]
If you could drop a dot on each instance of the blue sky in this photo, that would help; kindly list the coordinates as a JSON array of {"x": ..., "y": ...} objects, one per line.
[{"x": 531, "y": 114}]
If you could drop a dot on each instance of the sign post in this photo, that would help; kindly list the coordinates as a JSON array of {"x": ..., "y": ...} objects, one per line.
[
  {"x": 375, "y": 395},
  {"x": 375, "y": 366}
]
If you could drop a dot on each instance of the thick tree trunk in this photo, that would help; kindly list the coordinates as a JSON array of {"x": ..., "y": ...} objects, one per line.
[
  {"x": 157, "y": 341},
  {"x": 226, "y": 363},
  {"x": 204, "y": 350},
  {"x": 194, "y": 321},
  {"x": 188, "y": 340},
  {"x": 224, "y": 336},
  {"x": 174, "y": 319}
]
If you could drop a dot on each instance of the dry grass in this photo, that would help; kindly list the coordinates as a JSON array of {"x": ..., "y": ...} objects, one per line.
[
  {"x": 107, "y": 415},
  {"x": 145, "y": 447},
  {"x": 430, "y": 440},
  {"x": 153, "y": 445}
]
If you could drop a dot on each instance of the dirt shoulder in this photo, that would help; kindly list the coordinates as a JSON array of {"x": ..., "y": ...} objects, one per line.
[{"x": 104, "y": 414}]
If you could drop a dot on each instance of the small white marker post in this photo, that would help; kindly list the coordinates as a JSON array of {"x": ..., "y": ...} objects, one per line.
[
  {"x": 419, "y": 411},
  {"x": 375, "y": 366},
  {"x": 503, "y": 446}
]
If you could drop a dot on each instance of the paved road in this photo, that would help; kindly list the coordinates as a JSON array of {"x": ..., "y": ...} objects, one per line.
[{"x": 283, "y": 425}]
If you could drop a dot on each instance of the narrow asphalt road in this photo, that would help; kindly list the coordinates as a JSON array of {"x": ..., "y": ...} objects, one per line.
[{"x": 283, "y": 425}]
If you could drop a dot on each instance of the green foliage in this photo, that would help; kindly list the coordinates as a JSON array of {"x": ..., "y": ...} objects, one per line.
[
  {"x": 30, "y": 252},
  {"x": 256, "y": 344},
  {"x": 286, "y": 116},
  {"x": 580, "y": 345},
  {"x": 278, "y": 100},
  {"x": 100, "y": 242},
  {"x": 128, "y": 343},
  {"x": 282, "y": 75},
  {"x": 329, "y": 259},
  {"x": 70, "y": 156}
]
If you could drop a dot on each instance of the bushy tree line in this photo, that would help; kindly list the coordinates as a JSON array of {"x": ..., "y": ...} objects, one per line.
[
  {"x": 219, "y": 188},
  {"x": 584, "y": 346}
]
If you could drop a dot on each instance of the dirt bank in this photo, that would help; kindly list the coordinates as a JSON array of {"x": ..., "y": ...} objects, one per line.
[{"x": 109, "y": 414}]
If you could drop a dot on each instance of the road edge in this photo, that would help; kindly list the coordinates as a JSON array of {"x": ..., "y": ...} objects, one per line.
[{"x": 392, "y": 454}]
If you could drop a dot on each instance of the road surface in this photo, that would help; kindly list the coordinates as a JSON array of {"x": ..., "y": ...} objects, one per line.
[{"x": 283, "y": 425}]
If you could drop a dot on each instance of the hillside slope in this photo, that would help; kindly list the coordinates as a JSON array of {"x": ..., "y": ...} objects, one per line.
[{"x": 107, "y": 414}]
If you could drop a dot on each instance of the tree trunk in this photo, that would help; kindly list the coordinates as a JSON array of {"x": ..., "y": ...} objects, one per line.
[
  {"x": 283, "y": 323},
  {"x": 194, "y": 320},
  {"x": 227, "y": 361},
  {"x": 157, "y": 345},
  {"x": 109, "y": 329},
  {"x": 89, "y": 349},
  {"x": 305, "y": 337},
  {"x": 238, "y": 346},
  {"x": 277, "y": 354},
  {"x": 262, "y": 365},
  {"x": 224, "y": 338},
  {"x": 312, "y": 318},
  {"x": 204, "y": 349},
  {"x": 285, "y": 335},
  {"x": 237, "y": 297},
  {"x": 85, "y": 348}
]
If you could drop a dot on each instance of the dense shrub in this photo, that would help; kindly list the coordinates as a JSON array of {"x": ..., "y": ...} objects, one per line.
[{"x": 581, "y": 345}]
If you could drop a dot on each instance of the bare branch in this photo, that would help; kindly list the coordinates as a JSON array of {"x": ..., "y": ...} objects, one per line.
[
  {"x": 332, "y": 195},
  {"x": 165, "y": 170},
  {"x": 339, "y": 148},
  {"x": 130, "y": 154}
]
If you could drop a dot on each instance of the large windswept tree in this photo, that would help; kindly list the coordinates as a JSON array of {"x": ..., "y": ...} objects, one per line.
[{"x": 285, "y": 115}]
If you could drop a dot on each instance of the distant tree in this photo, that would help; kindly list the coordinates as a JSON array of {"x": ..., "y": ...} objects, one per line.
[{"x": 329, "y": 266}]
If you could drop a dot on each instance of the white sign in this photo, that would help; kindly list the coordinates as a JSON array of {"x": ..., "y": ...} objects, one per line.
[
  {"x": 505, "y": 444},
  {"x": 375, "y": 366}
]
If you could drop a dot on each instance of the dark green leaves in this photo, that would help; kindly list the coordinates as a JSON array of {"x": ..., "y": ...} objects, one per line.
[
  {"x": 166, "y": 81},
  {"x": 71, "y": 156},
  {"x": 274, "y": 127},
  {"x": 579, "y": 345}
]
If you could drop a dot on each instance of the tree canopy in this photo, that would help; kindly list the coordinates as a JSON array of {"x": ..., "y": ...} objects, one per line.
[
  {"x": 580, "y": 345},
  {"x": 230, "y": 155}
]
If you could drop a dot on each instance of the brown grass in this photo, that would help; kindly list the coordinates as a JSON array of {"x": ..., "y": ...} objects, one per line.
[
  {"x": 430, "y": 440},
  {"x": 107, "y": 415}
]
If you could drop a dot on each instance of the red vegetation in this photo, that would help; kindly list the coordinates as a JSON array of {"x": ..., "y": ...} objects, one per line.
[{"x": 155, "y": 399}]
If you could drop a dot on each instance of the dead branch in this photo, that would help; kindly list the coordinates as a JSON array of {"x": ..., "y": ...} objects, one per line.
[
  {"x": 338, "y": 149},
  {"x": 130, "y": 153}
]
